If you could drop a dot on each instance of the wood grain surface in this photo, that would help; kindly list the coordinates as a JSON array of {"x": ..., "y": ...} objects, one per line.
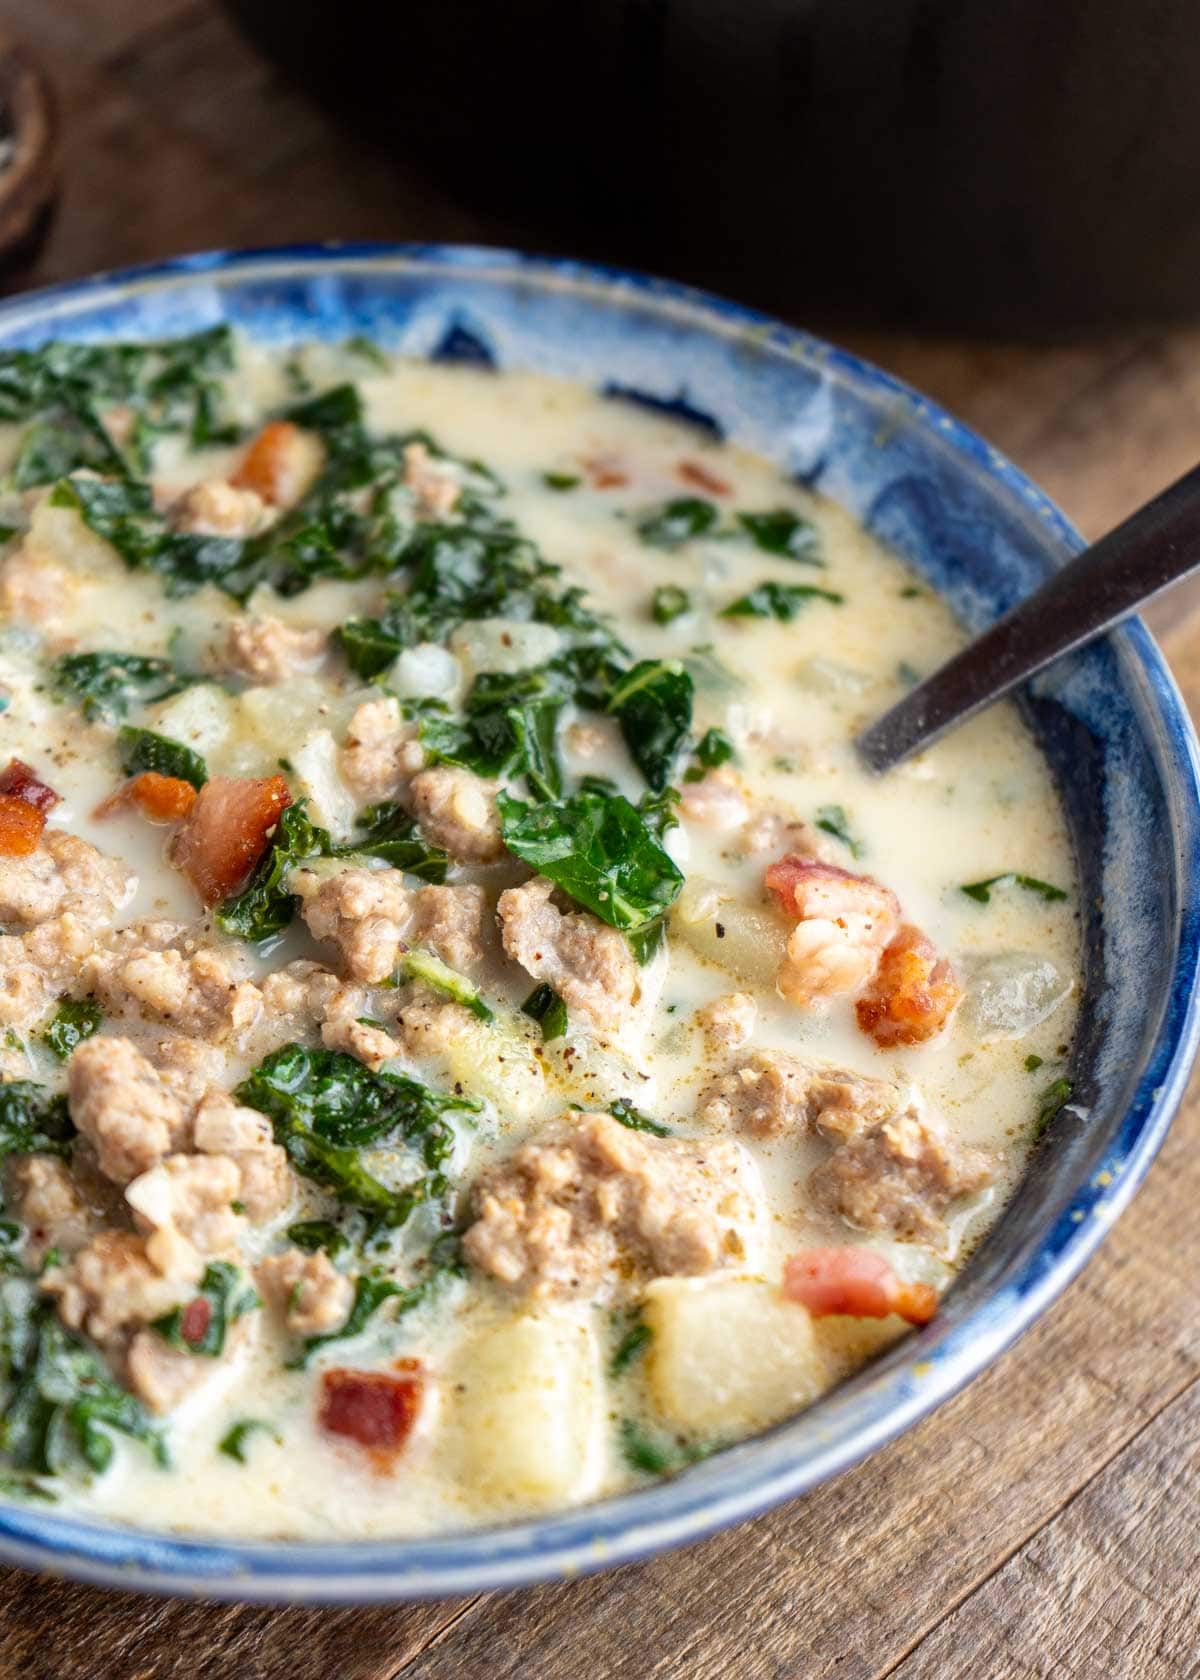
[{"x": 1046, "y": 1522}]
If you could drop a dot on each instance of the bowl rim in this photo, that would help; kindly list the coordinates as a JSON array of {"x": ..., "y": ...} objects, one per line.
[{"x": 755, "y": 1475}]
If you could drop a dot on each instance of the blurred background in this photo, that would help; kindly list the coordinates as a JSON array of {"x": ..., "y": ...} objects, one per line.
[{"x": 998, "y": 202}]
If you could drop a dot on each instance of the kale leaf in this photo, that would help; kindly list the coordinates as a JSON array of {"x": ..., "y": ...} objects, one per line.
[
  {"x": 202, "y": 1324},
  {"x": 388, "y": 832},
  {"x": 142, "y": 749},
  {"x": 74, "y": 1020},
  {"x": 636, "y": 1121},
  {"x": 265, "y": 907},
  {"x": 668, "y": 603},
  {"x": 122, "y": 512},
  {"x": 832, "y": 819},
  {"x": 431, "y": 971},
  {"x": 600, "y": 850},
  {"x": 544, "y": 1006},
  {"x": 676, "y": 522},
  {"x": 107, "y": 684},
  {"x": 783, "y": 601},
  {"x": 509, "y": 728},
  {"x": 981, "y": 891},
  {"x": 782, "y": 532},
  {"x": 443, "y": 1262},
  {"x": 653, "y": 704},
  {"x": 32, "y": 1120},
  {"x": 233, "y": 1442}
]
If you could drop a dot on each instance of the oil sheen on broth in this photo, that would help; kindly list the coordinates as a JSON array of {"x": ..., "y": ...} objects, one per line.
[{"x": 476, "y": 1039}]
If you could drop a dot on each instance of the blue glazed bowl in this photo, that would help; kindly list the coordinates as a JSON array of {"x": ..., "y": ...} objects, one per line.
[{"x": 1109, "y": 719}]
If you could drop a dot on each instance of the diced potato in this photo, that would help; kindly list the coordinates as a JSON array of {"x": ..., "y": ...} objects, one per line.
[
  {"x": 491, "y": 1062},
  {"x": 284, "y": 715},
  {"x": 528, "y": 1412},
  {"x": 504, "y": 644},
  {"x": 748, "y": 940},
  {"x": 60, "y": 533},
  {"x": 728, "y": 1355},
  {"x": 847, "y": 1343},
  {"x": 201, "y": 717},
  {"x": 330, "y": 802}
]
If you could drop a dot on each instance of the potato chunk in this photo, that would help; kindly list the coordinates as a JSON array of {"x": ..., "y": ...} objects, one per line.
[
  {"x": 530, "y": 1412},
  {"x": 729, "y": 1355}
]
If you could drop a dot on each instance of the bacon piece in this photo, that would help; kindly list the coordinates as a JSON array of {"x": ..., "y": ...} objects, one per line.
[
  {"x": 195, "y": 1320},
  {"x": 604, "y": 474},
  {"x": 19, "y": 781},
  {"x": 843, "y": 923},
  {"x": 162, "y": 799},
  {"x": 227, "y": 830},
  {"x": 913, "y": 994},
  {"x": 21, "y": 826},
  {"x": 282, "y": 464},
  {"x": 374, "y": 1408},
  {"x": 856, "y": 1282},
  {"x": 695, "y": 473}
]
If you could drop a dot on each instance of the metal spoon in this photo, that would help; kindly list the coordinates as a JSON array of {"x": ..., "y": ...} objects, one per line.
[{"x": 1154, "y": 547}]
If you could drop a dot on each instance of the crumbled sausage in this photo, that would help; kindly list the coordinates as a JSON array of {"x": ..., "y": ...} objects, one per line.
[
  {"x": 118, "y": 1102},
  {"x": 590, "y": 1197},
  {"x": 223, "y": 1128},
  {"x": 728, "y": 1021},
  {"x": 45, "y": 1198},
  {"x": 449, "y": 921},
  {"x": 156, "y": 971},
  {"x": 191, "y": 1195},
  {"x": 162, "y": 1375},
  {"x": 306, "y": 995},
  {"x": 429, "y": 1028},
  {"x": 588, "y": 963},
  {"x": 434, "y": 488},
  {"x": 381, "y": 754},
  {"x": 364, "y": 912},
  {"x": 187, "y": 1066},
  {"x": 307, "y": 1290},
  {"x": 269, "y": 651},
  {"x": 65, "y": 876},
  {"x": 772, "y": 1092},
  {"x": 900, "y": 1175},
  {"x": 217, "y": 508},
  {"x": 34, "y": 589},
  {"x": 843, "y": 923},
  {"x": 112, "y": 1286},
  {"x": 457, "y": 810},
  {"x": 770, "y": 831}
]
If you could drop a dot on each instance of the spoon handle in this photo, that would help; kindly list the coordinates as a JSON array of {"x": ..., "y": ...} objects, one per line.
[{"x": 1156, "y": 546}]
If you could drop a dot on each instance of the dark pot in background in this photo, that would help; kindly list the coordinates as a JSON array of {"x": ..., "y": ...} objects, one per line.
[{"x": 1003, "y": 165}]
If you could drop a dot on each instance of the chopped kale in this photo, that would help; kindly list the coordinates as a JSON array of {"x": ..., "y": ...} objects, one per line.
[
  {"x": 713, "y": 749},
  {"x": 201, "y": 1325},
  {"x": 1053, "y": 1099},
  {"x": 653, "y": 704},
  {"x": 600, "y": 850},
  {"x": 74, "y": 1020},
  {"x": 561, "y": 481},
  {"x": 443, "y": 1262},
  {"x": 122, "y": 512},
  {"x": 430, "y": 971},
  {"x": 388, "y": 832},
  {"x": 544, "y": 1006},
  {"x": 319, "y": 1235},
  {"x": 632, "y": 1345},
  {"x": 142, "y": 749},
  {"x": 1032, "y": 1063},
  {"x": 633, "y": 1117},
  {"x": 509, "y": 728},
  {"x": 783, "y": 601},
  {"x": 233, "y": 1442},
  {"x": 32, "y": 1120},
  {"x": 655, "y": 1455},
  {"x": 107, "y": 684},
  {"x": 265, "y": 907},
  {"x": 668, "y": 603},
  {"x": 832, "y": 819},
  {"x": 981, "y": 891},
  {"x": 678, "y": 521},
  {"x": 660, "y": 811},
  {"x": 60, "y": 1402},
  {"x": 325, "y": 1106},
  {"x": 783, "y": 532}
]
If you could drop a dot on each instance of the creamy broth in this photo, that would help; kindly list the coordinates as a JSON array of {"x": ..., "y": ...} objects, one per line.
[{"x": 566, "y": 1328}]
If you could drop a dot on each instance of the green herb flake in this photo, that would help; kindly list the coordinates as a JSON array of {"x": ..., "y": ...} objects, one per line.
[
  {"x": 544, "y": 1006},
  {"x": 636, "y": 1121},
  {"x": 313, "y": 1235},
  {"x": 668, "y": 603},
  {"x": 782, "y": 601},
  {"x": 981, "y": 891},
  {"x": 1033, "y": 1063},
  {"x": 233, "y": 1442},
  {"x": 1053, "y": 1099},
  {"x": 631, "y": 1346},
  {"x": 655, "y": 1455},
  {"x": 561, "y": 481},
  {"x": 832, "y": 819},
  {"x": 74, "y": 1020},
  {"x": 676, "y": 522}
]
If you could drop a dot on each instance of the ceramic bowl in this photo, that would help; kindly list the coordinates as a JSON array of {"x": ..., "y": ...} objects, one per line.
[{"x": 1109, "y": 719}]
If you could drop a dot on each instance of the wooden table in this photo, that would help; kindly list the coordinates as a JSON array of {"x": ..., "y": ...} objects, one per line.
[{"x": 1045, "y": 1523}]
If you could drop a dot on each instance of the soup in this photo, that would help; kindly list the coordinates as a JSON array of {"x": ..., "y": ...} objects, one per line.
[{"x": 476, "y": 1038}]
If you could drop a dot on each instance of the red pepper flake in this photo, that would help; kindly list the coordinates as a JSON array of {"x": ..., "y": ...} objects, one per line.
[
  {"x": 373, "y": 1408},
  {"x": 692, "y": 472},
  {"x": 21, "y": 826},
  {"x": 19, "y": 781},
  {"x": 195, "y": 1320},
  {"x": 604, "y": 474}
]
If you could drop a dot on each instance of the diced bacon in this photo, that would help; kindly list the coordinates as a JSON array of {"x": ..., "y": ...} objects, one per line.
[
  {"x": 856, "y": 1282},
  {"x": 913, "y": 994},
  {"x": 282, "y": 464},
  {"x": 195, "y": 1320},
  {"x": 18, "y": 781},
  {"x": 374, "y": 1408},
  {"x": 21, "y": 826},
  {"x": 226, "y": 831},
  {"x": 603, "y": 473},
  {"x": 843, "y": 923},
  {"x": 163, "y": 799},
  {"x": 695, "y": 473}
]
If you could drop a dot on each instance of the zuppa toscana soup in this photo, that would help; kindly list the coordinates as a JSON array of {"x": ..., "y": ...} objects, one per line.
[{"x": 475, "y": 1039}]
